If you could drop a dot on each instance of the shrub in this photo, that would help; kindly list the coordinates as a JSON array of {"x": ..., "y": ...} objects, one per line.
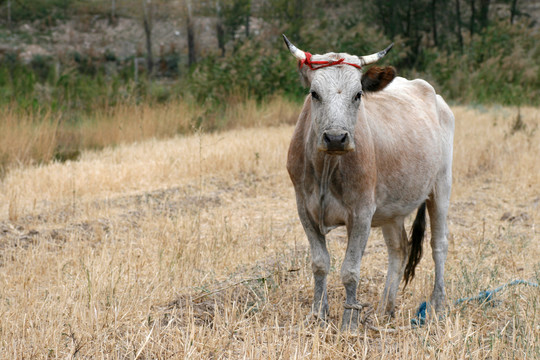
[
  {"x": 253, "y": 70},
  {"x": 500, "y": 65},
  {"x": 42, "y": 66}
]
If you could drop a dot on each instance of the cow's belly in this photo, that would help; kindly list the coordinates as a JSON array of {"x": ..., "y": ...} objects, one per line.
[
  {"x": 336, "y": 214},
  {"x": 390, "y": 212},
  {"x": 399, "y": 203},
  {"x": 391, "y": 203}
]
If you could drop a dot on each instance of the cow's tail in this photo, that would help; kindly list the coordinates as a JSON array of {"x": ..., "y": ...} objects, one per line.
[{"x": 417, "y": 236}]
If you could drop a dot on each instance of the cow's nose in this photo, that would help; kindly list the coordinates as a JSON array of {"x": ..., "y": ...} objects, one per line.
[{"x": 336, "y": 141}]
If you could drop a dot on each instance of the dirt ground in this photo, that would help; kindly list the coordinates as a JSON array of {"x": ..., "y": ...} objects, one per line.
[{"x": 191, "y": 248}]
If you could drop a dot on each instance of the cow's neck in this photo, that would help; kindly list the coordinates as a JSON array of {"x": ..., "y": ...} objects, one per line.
[
  {"x": 324, "y": 167},
  {"x": 329, "y": 166},
  {"x": 327, "y": 169}
]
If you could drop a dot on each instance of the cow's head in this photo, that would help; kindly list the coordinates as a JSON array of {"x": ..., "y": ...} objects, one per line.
[{"x": 336, "y": 83}]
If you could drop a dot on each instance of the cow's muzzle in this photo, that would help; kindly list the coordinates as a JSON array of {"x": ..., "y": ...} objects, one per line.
[{"x": 336, "y": 142}]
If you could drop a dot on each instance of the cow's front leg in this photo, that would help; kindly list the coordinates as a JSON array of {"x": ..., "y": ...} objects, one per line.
[
  {"x": 350, "y": 270},
  {"x": 320, "y": 263}
]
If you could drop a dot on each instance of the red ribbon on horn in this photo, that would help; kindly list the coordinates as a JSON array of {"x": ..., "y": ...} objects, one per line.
[{"x": 323, "y": 63}]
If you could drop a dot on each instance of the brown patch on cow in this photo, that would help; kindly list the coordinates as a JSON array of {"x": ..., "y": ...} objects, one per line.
[
  {"x": 377, "y": 78},
  {"x": 295, "y": 158}
]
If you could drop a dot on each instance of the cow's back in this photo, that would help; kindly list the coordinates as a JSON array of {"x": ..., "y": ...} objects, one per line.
[{"x": 411, "y": 127}]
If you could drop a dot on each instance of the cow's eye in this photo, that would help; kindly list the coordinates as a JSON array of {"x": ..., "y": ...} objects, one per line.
[
  {"x": 315, "y": 96},
  {"x": 358, "y": 96}
]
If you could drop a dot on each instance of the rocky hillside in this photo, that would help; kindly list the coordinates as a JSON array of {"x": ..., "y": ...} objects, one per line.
[{"x": 96, "y": 35}]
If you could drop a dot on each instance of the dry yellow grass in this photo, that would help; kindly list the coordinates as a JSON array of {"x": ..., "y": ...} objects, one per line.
[
  {"x": 191, "y": 248},
  {"x": 41, "y": 137}
]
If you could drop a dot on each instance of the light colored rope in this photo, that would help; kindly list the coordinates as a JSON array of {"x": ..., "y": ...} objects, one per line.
[{"x": 355, "y": 306}]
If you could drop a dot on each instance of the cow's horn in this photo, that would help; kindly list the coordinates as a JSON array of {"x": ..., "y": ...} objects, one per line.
[
  {"x": 299, "y": 54},
  {"x": 370, "y": 59}
]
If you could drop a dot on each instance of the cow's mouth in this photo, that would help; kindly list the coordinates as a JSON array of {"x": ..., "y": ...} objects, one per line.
[{"x": 337, "y": 152}]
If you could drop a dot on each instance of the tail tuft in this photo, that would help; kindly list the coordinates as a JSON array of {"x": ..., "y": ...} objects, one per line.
[{"x": 417, "y": 237}]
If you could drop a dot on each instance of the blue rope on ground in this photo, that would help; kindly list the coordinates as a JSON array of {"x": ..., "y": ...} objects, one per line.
[{"x": 483, "y": 297}]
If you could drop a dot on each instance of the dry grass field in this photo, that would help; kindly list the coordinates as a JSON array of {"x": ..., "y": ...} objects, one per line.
[
  {"x": 191, "y": 248},
  {"x": 42, "y": 136}
]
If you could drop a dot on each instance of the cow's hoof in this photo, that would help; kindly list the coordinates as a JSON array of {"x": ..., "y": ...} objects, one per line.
[
  {"x": 352, "y": 317},
  {"x": 314, "y": 319},
  {"x": 438, "y": 303}
]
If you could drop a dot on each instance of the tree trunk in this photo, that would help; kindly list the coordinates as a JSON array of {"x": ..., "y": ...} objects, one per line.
[
  {"x": 297, "y": 19},
  {"x": 112, "y": 19},
  {"x": 458, "y": 20},
  {"x": 408, "y": 29},
  {"x": 513, "y": 11},
  {"x": 147, "y": 22},
  {"x": 484, "y": 13},
  {"x": 434, "y": 20},
  {"x": 473, "y": 16},
  {"x": 190, "y": 34},
  {"x": 9, "y": 14},
  {"x": 220, "y": 32}
]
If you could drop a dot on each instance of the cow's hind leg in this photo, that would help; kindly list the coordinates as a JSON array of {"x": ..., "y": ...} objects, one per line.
[
  {"x": 437, "y": 206},
  {"x": 396, "y": 240}
]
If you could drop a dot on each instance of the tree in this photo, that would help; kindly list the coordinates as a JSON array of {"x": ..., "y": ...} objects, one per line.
[
  {"x": 192, "y": 58},
  {"x": 289, "y": 13},
  {"x": 9, "y": 13},
  {"x": 473, "y": 17},
  {"x": 484, "y": 11},
  {"x": 112, "y": 18},
  {"x": 434, "y": 20},
  {"x": 458, "y": 25},
  {"x": 148, "y": 14},
  {"x": 230, "y": 16},
  {"x": 513, "y": 11},
  {"x": 220, "y": 31},
  {"x": 235, "y": 14}
]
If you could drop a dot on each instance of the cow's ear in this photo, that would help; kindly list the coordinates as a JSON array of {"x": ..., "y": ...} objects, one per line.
[
  {"x": 306, "y": 75},
  {"x": 376, "y": 78}
]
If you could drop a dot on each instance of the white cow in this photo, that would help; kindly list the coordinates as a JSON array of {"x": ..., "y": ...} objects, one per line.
[{"x": 369, "y": 149}]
